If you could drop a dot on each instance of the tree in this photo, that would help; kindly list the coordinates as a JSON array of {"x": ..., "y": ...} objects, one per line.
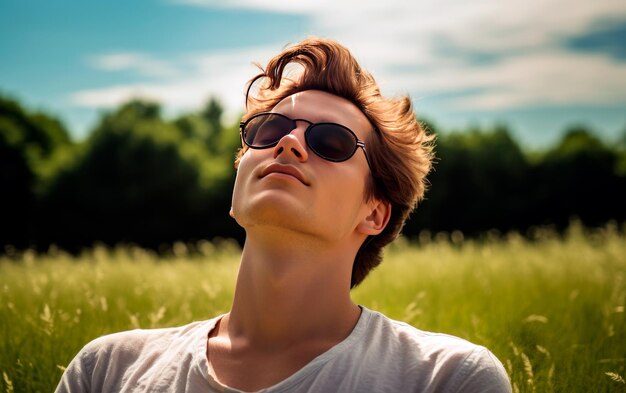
[
  {"x": 578, "y": 178},
  {"x": 620, "y": 166},
  {"x": 141, "y": 180},
  {"x": 38, "y": 134},
  {"x": 478, "y": 183},
  {"x": 206, "y": 126},
  {"x": 28, "y": 143}
]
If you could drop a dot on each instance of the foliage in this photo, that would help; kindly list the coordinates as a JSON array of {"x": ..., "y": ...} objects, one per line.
[
  {"x": 28, "y": 142},
  {"x": 551, "y": 308},
  {"x": 579, "y": 177},
  {"x": 139, "y": 178},
  {"x": 37, "y": 133},
  {"x": 483, "y": 180},
  {"x": 477, "y": 184}
]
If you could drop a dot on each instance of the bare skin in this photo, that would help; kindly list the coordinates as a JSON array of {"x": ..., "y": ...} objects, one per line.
[{"x": 304, "y": 226}]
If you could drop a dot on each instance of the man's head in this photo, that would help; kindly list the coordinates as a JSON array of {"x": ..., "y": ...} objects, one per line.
[{"x": 399, "y": 151}]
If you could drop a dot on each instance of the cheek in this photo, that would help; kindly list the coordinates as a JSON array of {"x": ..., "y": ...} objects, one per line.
[
  {"x": 243, "y": 173},
  {"x": 247, "y": 164},
  {"x": 347, "y": 191}
]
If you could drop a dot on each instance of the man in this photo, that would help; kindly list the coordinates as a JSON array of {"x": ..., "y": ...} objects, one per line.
[{"x": 328, "y": 172}]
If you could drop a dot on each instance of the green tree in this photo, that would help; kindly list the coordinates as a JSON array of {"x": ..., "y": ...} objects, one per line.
[
  {"x": 620, "y": 167},
  {"x": 206, "y": 126},
  {"x": 578, "y": 178},
  {"x": 29, "y": 143},
  {"x": 39, "y": 134},
  {"x": 478, "y": 183},
  {"x": 140, "y": 179}
]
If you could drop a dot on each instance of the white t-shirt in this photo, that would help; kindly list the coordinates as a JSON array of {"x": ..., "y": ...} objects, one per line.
[{"x": 380, "y": 355}]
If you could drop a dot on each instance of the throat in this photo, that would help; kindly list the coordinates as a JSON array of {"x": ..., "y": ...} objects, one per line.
[{"x": 250, "y": 365}]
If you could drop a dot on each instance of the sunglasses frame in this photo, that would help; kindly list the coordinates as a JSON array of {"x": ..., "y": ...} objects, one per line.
[{"x": 358, "y": 142}]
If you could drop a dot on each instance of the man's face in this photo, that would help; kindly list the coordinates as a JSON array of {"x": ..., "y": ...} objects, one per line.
[{"x": 289, "y": 187}]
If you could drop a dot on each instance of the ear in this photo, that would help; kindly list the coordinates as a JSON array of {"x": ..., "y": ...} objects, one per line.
[{"x": 376, "y": 221}]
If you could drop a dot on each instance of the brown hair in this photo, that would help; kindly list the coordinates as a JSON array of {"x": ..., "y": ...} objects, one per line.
[{"x": 399, "y": 150}]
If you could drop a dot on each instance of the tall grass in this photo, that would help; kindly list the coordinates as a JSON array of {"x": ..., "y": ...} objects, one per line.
[{"x": 551, "y": 308}]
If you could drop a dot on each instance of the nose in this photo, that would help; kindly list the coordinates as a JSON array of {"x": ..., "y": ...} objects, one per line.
[{"x": 292, "y": 144}]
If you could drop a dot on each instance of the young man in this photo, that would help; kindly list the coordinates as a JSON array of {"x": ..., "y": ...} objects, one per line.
[{"x": 328, "y": 173}]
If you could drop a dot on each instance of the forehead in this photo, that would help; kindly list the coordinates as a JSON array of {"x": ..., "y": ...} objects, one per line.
[{"x": 319, "y": 106}]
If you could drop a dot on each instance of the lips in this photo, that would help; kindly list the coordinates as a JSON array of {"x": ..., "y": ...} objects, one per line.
[{"x": 284, "y": 169}]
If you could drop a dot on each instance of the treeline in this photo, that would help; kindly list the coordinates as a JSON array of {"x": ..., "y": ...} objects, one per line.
[{"x": 143, "y": 179}]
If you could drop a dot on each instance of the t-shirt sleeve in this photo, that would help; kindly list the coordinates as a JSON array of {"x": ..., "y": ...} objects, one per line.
[
  {"x": 77, "y": 376},
  {"x": 481, "y": 372}
]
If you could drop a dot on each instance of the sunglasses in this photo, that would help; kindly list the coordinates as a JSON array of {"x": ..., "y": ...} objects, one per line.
[{"x": 330, "y": 141}]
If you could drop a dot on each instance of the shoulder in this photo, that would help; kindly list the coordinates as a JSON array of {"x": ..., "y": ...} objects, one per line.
[
  {"x": 425, "y": 343},
  {"x": 109, "y": 357},
  {"x": 131, "y": 340},
  {"x": 445, "y": 360}
]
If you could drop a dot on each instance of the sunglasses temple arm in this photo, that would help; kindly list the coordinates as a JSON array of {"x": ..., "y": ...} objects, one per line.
[{"x": 362, "y": 146}]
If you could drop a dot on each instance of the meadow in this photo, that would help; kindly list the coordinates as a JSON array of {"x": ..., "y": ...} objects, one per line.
[{"x": 551, "y": 307}]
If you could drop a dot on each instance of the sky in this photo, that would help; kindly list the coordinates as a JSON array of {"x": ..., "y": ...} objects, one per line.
[{"x": 538, "y": 66}]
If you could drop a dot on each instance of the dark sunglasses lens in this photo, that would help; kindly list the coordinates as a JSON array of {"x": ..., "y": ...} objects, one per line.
[
  {"x": 331, "y": 141},
  {"x": 266, "y": 130}
]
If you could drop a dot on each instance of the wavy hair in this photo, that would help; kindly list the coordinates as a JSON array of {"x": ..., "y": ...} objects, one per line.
[{"x": 400, "y": 150}]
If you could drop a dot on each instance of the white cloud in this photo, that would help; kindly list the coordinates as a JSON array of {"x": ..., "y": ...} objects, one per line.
[
  {"x": 426, "y": 40},
  {"x": 222, "y": 75},
  {"x": 141, "y": 63},
  {"x": 545, "y": 79}
]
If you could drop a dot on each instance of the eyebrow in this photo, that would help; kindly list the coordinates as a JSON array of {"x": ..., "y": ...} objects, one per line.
[
  {"x": 310, "y": 122},
  {"x": 323, "y": 120}
]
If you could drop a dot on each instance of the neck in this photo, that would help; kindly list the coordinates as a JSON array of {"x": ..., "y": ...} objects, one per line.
[{"x": 291, "y": 289}]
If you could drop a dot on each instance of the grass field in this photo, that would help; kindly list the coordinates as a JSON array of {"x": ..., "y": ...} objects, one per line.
[{"x": 551, "y": 308}]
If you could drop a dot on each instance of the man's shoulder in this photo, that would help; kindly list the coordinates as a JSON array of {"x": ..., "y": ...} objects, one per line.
[
  {"x": 408, "y": 334},
  {"x": 132, "y": 340},
  {"x": 439, "y": 358},
  {"x": 113, "y": 361},
  {"x": 138, "y": 345}
]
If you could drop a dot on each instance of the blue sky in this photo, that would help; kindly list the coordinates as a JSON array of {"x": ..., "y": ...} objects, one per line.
[{"x": 538, "y": 66}]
